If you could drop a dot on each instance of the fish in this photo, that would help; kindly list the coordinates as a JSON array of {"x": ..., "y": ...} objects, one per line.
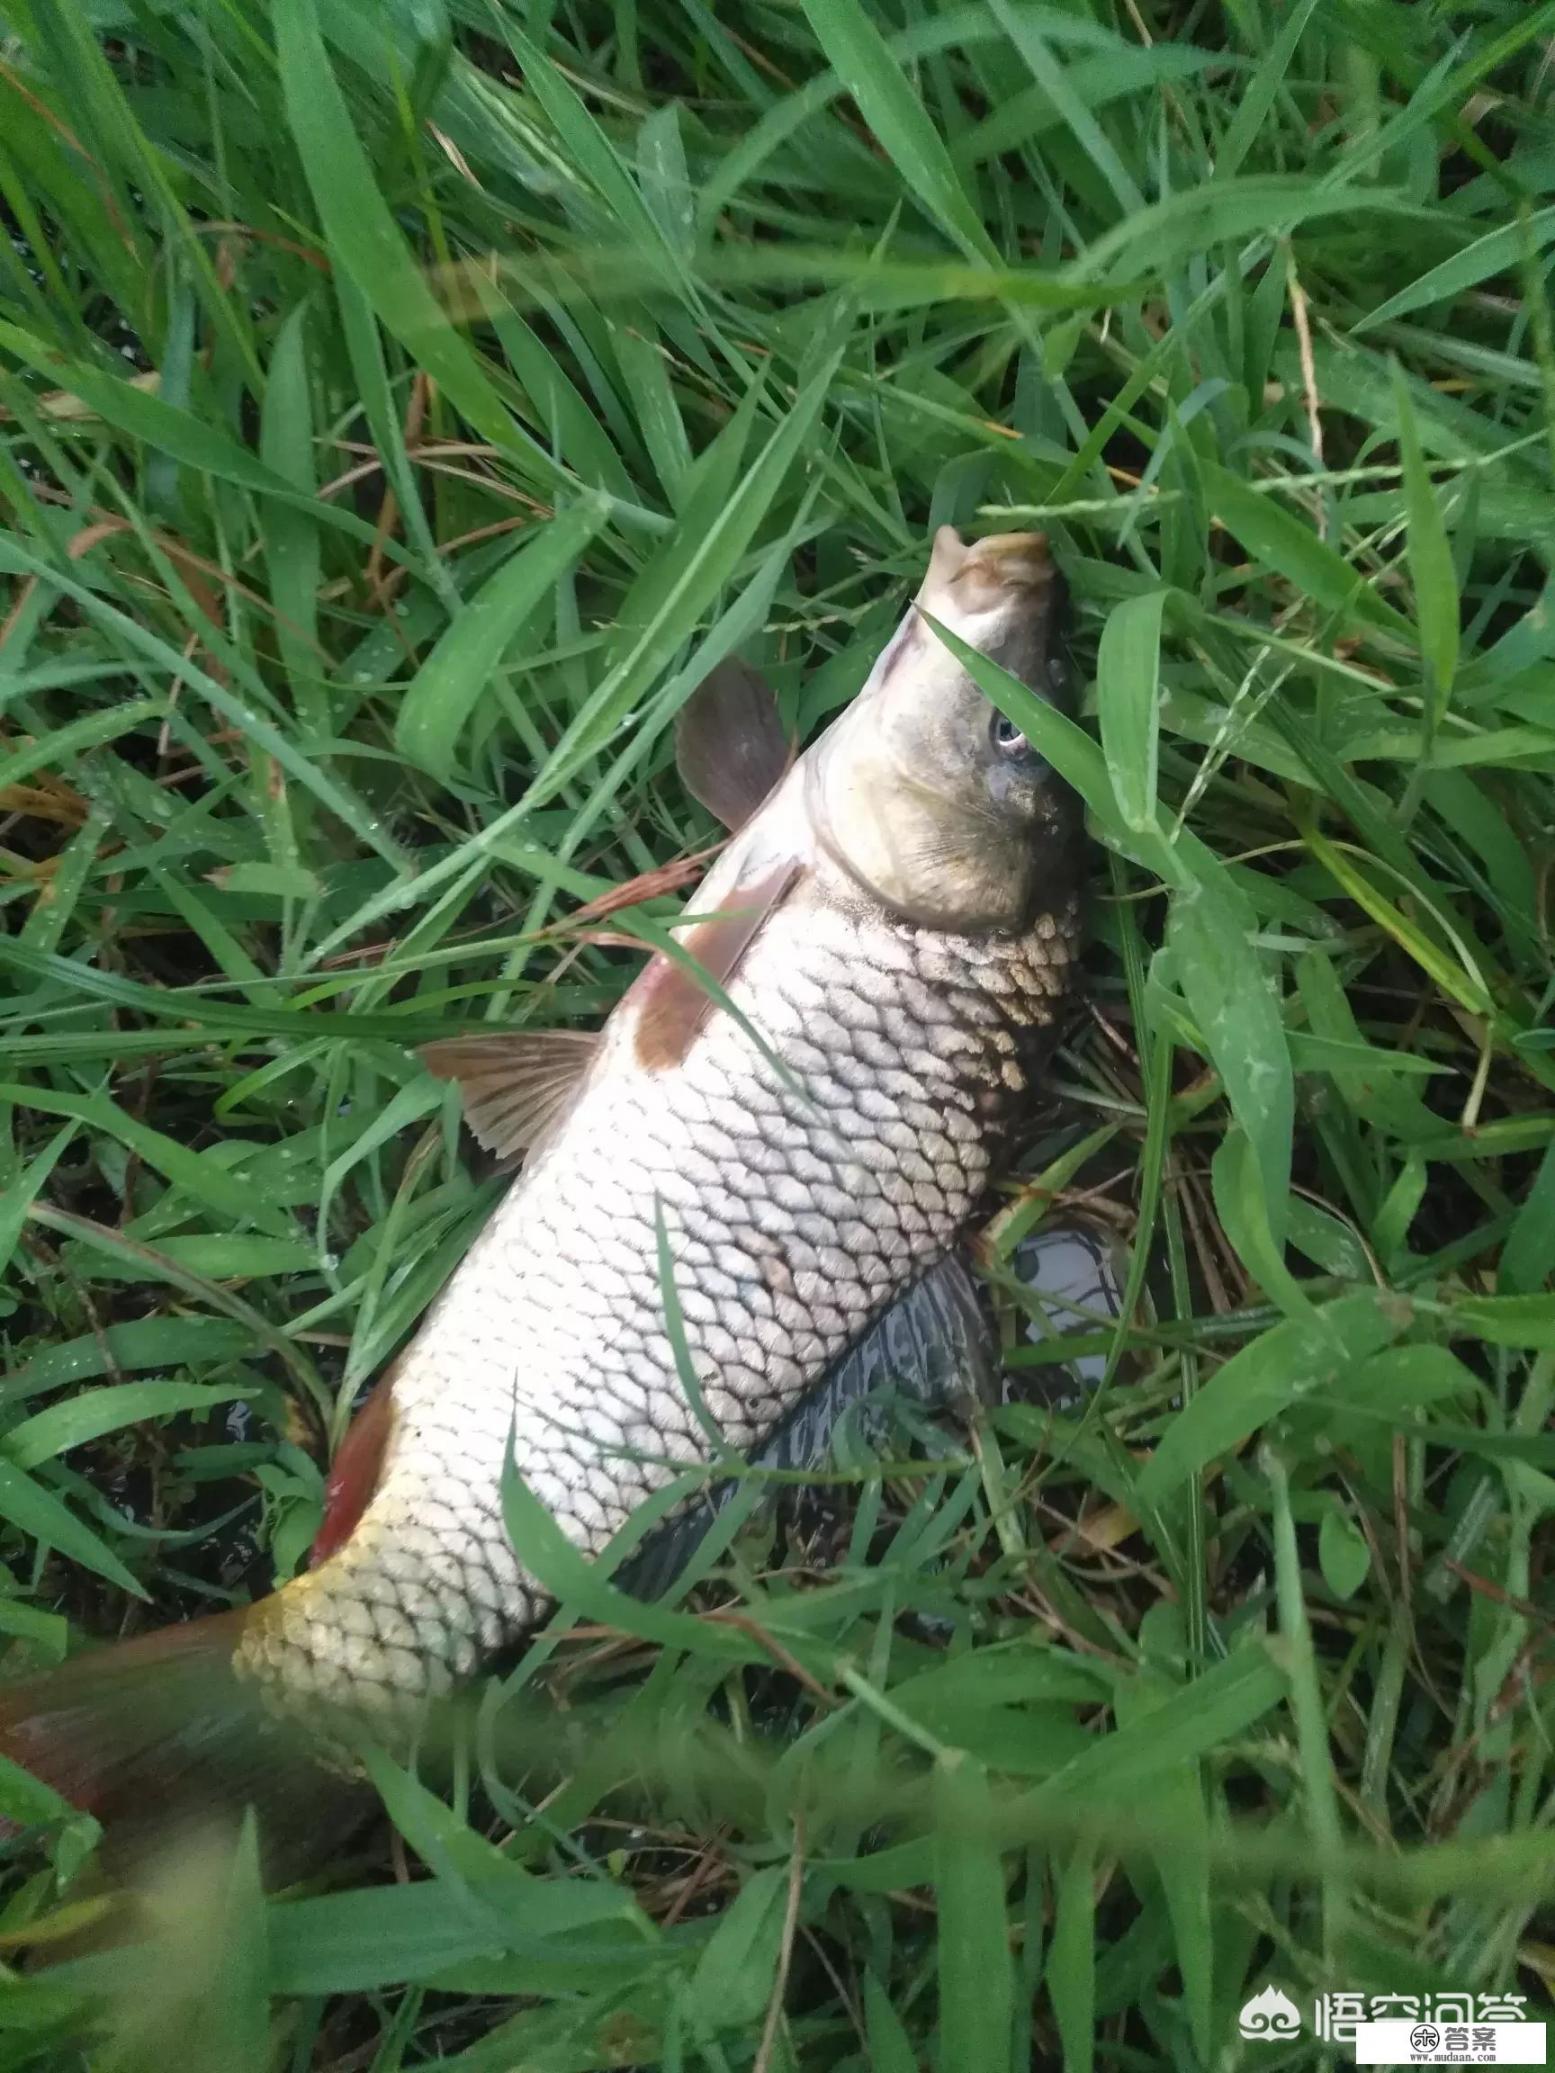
[{"x": 790, "y": 1118}]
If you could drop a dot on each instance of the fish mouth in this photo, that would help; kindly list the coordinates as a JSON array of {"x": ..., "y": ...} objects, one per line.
[{"x": 1004, "y": 566}]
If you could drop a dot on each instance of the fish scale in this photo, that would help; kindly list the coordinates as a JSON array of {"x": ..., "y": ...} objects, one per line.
[{"x": 799, "y": 1198}]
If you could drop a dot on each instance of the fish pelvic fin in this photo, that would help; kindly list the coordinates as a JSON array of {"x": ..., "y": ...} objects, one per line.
[{"x": 356, "y": 1471}]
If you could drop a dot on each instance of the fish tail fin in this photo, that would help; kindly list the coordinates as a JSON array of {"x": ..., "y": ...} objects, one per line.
[{"x": 161, "y": 1737}]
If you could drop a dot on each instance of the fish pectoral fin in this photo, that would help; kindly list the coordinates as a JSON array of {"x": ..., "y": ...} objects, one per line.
[
  {"x": 729, "y": 743},
  {"x": 515, "y": 1085}
]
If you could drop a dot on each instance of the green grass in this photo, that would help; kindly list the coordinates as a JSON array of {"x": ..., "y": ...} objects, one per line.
[{"x": 405, "y": 406}]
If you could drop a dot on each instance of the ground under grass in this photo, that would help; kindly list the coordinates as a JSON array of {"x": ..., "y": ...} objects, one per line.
[{"x": 401, "y": 408}]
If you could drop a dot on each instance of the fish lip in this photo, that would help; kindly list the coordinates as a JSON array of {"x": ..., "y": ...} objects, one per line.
[
  {"x": 981, "y": 574},
  {"x": 1019, "y": 560}
]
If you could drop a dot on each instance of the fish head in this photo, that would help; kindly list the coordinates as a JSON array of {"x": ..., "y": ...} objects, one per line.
[{"x": 931, "y": 800}]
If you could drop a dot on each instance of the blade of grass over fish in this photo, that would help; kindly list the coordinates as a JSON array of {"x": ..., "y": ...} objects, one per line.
[
  {"x": 680, "y": 1347},
  {"x": 578, "y": 1584},
  {"x": 1064, "y": 744}
]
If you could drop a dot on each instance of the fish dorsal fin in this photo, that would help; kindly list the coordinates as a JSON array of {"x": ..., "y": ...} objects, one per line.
[
  {"x": 672, "y": 1000},
  {"x": 729, "y": 743},
  {"x": 516, "y": 1084}
]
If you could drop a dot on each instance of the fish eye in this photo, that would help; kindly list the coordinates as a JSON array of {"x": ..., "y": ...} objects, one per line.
[{"x": 1007, "y": 738}]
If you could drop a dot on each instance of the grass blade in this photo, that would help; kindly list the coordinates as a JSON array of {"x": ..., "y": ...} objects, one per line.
[
  {"x": 976, "y": 1976},
  {"x": 1431, "y": 567},
  {"x": 1128, "y": 693},
  {"x": 445, "y": 691},
  {"x": 862, "y": 60}
]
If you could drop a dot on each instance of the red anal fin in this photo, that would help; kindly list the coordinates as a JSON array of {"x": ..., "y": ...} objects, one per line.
[
  {"x": 355, "y": 1472},
  {"x": 672, "y": 1001}
]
